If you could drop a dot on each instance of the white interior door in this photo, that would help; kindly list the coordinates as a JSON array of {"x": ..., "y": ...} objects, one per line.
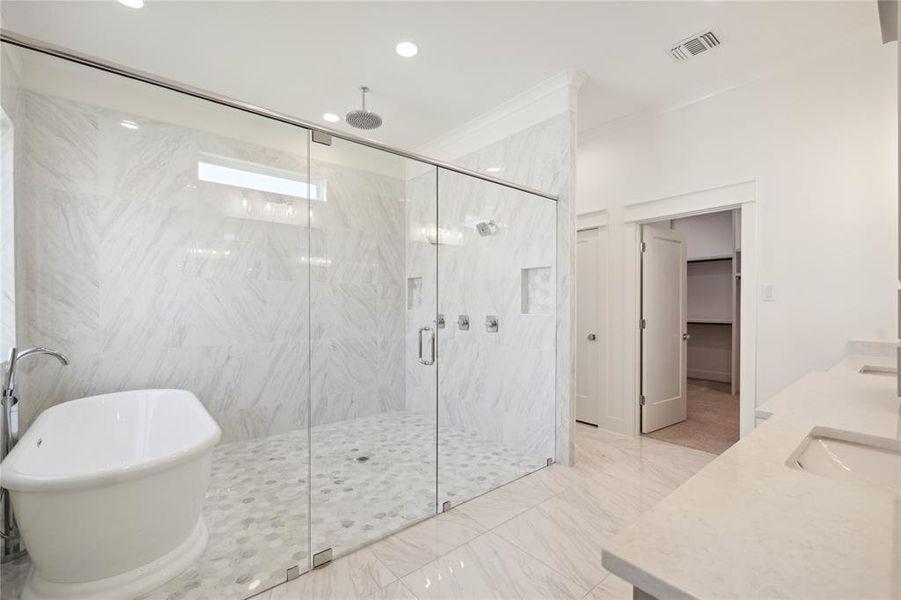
[
  {"x": 589, "y": 341},
  {"x": 664, "y": 301}
]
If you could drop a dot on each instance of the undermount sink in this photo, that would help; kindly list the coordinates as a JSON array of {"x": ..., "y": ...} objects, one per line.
[{"x": 852, "y": 457}]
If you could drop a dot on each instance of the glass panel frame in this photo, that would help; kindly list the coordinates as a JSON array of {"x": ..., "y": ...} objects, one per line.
[
  {"x": 373, "y": 357},
  {"x": 149, "y": 276},
  {"x": 497, "y": 265}
]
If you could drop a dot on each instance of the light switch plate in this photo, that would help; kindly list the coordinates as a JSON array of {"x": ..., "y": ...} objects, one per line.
[{"x": 769, "y": 293}]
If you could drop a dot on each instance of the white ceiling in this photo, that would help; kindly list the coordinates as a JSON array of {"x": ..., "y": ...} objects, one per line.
[{"x": 307, "y": 58}]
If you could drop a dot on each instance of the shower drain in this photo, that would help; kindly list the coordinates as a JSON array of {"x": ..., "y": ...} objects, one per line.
[{"x": 362, "y": 458}]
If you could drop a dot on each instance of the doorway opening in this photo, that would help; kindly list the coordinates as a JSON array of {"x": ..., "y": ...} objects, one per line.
[{"x": 690, "y": 330}]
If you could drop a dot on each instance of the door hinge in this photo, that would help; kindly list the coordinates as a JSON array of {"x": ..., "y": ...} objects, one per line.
[
  {"x": 321, "y": 137},
  {"x": 643, "y": 246},
  {"x": 641, "y": 400},
  {"x": 642, "y": 324},
  {"x": 322, "y": 558}
]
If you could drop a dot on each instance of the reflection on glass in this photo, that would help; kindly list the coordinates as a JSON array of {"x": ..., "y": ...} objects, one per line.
[
  {"x": 496, "y": 377},
  {"x": 373, "y": 400},
  {"x": 150, "y": 271}
]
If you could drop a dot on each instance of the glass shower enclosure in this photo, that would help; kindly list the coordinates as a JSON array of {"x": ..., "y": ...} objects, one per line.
[{"x": 373, "y": 332}]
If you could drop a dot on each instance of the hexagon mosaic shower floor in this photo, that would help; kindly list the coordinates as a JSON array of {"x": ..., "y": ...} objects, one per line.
[{"x": 370, "y": 477}]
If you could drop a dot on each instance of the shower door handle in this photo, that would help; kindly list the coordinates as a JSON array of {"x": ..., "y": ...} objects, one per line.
[{"x": 431, "y": 360}]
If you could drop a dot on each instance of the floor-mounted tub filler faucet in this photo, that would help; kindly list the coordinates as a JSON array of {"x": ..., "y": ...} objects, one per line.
[{"x": 9, "y": 534}]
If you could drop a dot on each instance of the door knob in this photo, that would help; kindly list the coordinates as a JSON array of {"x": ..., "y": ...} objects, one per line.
[
  {"x": 686, "y": 336},
  {"x": 592, "y": 337}
]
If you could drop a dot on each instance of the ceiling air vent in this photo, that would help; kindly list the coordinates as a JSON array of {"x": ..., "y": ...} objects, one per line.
[{"x": 694, "y": 45}]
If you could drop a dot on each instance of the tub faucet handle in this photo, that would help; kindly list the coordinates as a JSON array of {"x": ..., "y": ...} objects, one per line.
[{"x": 15, "y": 355}]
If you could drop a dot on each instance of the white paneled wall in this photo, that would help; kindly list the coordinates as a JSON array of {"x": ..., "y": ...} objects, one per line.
[{"x": 818, "y": 137}]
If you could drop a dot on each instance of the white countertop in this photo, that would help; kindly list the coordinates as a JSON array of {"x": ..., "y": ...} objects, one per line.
[{"x": 749, "y": 526}]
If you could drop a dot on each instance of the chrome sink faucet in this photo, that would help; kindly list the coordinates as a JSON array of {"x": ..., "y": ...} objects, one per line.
[{"x": 9, "y": 535}]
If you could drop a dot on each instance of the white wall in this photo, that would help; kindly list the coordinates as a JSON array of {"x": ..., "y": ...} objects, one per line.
[
  {"x": 707, "y": 236},
  {"x": 818, "y": 136}
]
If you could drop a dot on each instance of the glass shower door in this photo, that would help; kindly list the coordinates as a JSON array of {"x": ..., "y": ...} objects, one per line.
[
  {"x": 373, "y": 276},
  {"x": 496, "y": 376},
  {"x": 166, "y": 240}
]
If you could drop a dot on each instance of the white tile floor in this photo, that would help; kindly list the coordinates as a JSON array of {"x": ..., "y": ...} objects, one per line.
[
  {"x": 538, "y": 537},
  {"x": 256, "y": 508}
]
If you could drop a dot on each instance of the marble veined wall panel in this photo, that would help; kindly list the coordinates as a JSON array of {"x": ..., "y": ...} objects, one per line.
[
  {"x": 499, "y": 384},
  {"x": 148, "y": 276},
  {"x": 505, "y": 386},
  {"x": 421, "y": 260},
  {"x": 7, "y": 246},
  {"x": 543, "y": 157}
]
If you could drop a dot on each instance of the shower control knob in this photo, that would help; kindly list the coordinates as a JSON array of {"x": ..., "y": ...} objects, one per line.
[{"x": 592, "y": 337}]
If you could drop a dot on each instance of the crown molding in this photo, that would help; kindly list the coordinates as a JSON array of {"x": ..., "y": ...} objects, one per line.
[{"x": 551, "y": 97}]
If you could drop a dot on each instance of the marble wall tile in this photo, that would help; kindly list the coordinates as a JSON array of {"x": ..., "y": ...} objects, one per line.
[
  {"x": 148, "y": 242},
  {"x": 364, "y": 202},
  {"x": 421, "y": 263},
  {"x": 500, "y": 385},
  {"x": 342, "y": 367},
  {"x": 60, "y": 143},
  {"x": 151, "y": 277},
  {"x": 288, "y": 254},
  {"x": 287, "y": 311},
  {"x": 224, "y": 311},
  {"x": 147, "y": 277},
  {"x": 344, "y": 311},
  {"x": 543, "y": 157},
  {"x": 507, "y": 386},
  {"x": 228, "y": 248},
  {"x": 7, "y": 216},
  {"x": 125, "y": 304}
]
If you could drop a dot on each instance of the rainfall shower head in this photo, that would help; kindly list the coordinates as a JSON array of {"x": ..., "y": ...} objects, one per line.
[
  {"x": 486, "y": 229},
  {"x": 363, "y": 119}
]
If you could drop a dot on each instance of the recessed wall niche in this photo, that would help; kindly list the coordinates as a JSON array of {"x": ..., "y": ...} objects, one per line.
[
  {"x": 414, "y": 292},
  {"x": 537, "y": 291}
]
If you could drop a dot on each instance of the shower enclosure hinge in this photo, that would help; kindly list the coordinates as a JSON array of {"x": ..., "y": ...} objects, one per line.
[
  {"x": 643, "y": 246},
  {"x": 446, "y": 506},
  {"x": 322, "y": 558},
  {"x": 293, "y": 573},
  {"x": 641, "y": 400},
  {"x": 643, "y": 324},
  {"x": 550, "y": 461},
  {"x": 321, "y": 137}
]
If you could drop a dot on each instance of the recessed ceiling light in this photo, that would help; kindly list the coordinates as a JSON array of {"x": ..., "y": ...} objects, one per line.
[
  {"x": 331, "y": 117},
  {"x": 494, "y": 169},
  {"x": 128, "y": 124},
  {"x": 407, "y": 49},
  {"x": 132, "y": 3}
]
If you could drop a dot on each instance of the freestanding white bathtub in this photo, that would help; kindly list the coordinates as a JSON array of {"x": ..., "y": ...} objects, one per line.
[{"x": 107, "y": 492}]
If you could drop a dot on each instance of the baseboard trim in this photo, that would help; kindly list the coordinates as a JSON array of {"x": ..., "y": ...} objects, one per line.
[{"x": 710, "y": 375}]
